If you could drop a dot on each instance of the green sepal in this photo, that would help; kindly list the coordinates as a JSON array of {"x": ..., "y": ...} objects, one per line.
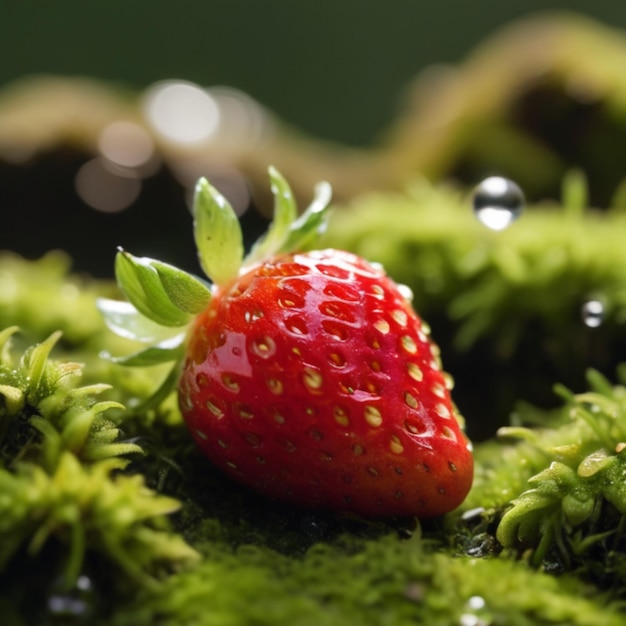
[
  {"x": 140, "y": 278},
  {"x": 186, "y": 292},
  {"x": 127, "y": 322},
  {"x": 285, "y": 213},
  {"x": 217, "y": 234},
  {"x": 168, "y": 350},
  {"x": 311, "y": 223}
]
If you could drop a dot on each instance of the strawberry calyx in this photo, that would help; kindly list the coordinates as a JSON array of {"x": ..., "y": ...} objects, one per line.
[{"x": 162, "y": 299}]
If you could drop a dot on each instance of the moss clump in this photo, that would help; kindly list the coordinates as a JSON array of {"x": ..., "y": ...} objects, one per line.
[
  {"x": 382, "y": 581},
  {"x": 62, "y": 491},
  {"x": 560, "y": 491}
]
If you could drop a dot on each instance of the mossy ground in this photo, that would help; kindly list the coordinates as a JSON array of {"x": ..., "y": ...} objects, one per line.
[{"x": 150, "y": 533}]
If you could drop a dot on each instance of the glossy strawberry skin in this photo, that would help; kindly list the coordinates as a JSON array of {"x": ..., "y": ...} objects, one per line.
[{"x": 311, "y": 379}]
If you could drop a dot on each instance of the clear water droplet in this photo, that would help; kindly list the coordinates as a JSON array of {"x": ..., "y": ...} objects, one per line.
[
  {"x": 498, "y": 202},
  {"x": 592, "y": 313},
  {"x": 75, "y": 605}
]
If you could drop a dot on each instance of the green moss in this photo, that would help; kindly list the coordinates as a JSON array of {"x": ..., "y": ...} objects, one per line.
[
  {"x": 386, "y": 581},
  {"x": 97, "y": 483},
  {"x": 61, "y": 484}
]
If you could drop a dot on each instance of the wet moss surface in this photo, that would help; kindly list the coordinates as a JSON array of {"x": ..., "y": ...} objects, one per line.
[{"x": 166, "y": 538}]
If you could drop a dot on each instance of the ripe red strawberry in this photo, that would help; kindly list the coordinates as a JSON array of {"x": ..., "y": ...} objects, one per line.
[{"x": 308, "y": 376}]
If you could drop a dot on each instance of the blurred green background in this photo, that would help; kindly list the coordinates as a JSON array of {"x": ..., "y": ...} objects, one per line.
[{"x": 334, "y": 68}]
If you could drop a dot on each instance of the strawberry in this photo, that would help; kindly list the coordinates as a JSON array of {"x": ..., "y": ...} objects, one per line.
[{"x": 305, "y": 375}]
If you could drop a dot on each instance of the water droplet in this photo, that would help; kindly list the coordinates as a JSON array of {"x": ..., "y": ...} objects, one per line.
[
  {"x": 469, "y": 619},
  {"x": 592, "y": 313},
  {"x": 75, "y": 605},
  {"x": 476, "y": 603},
  {"x": 498, "y": 202}
]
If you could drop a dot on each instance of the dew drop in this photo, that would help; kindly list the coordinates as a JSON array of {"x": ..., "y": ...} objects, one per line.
[
  {"x": 498, "y": 202},
  {"x": 73, "y": 606},
  {"x": 592, "y": 313},
  {"x": 476, "y": 603}
]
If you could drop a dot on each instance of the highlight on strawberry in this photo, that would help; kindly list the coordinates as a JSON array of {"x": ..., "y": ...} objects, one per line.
[{"x": 306, "y": 375}]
